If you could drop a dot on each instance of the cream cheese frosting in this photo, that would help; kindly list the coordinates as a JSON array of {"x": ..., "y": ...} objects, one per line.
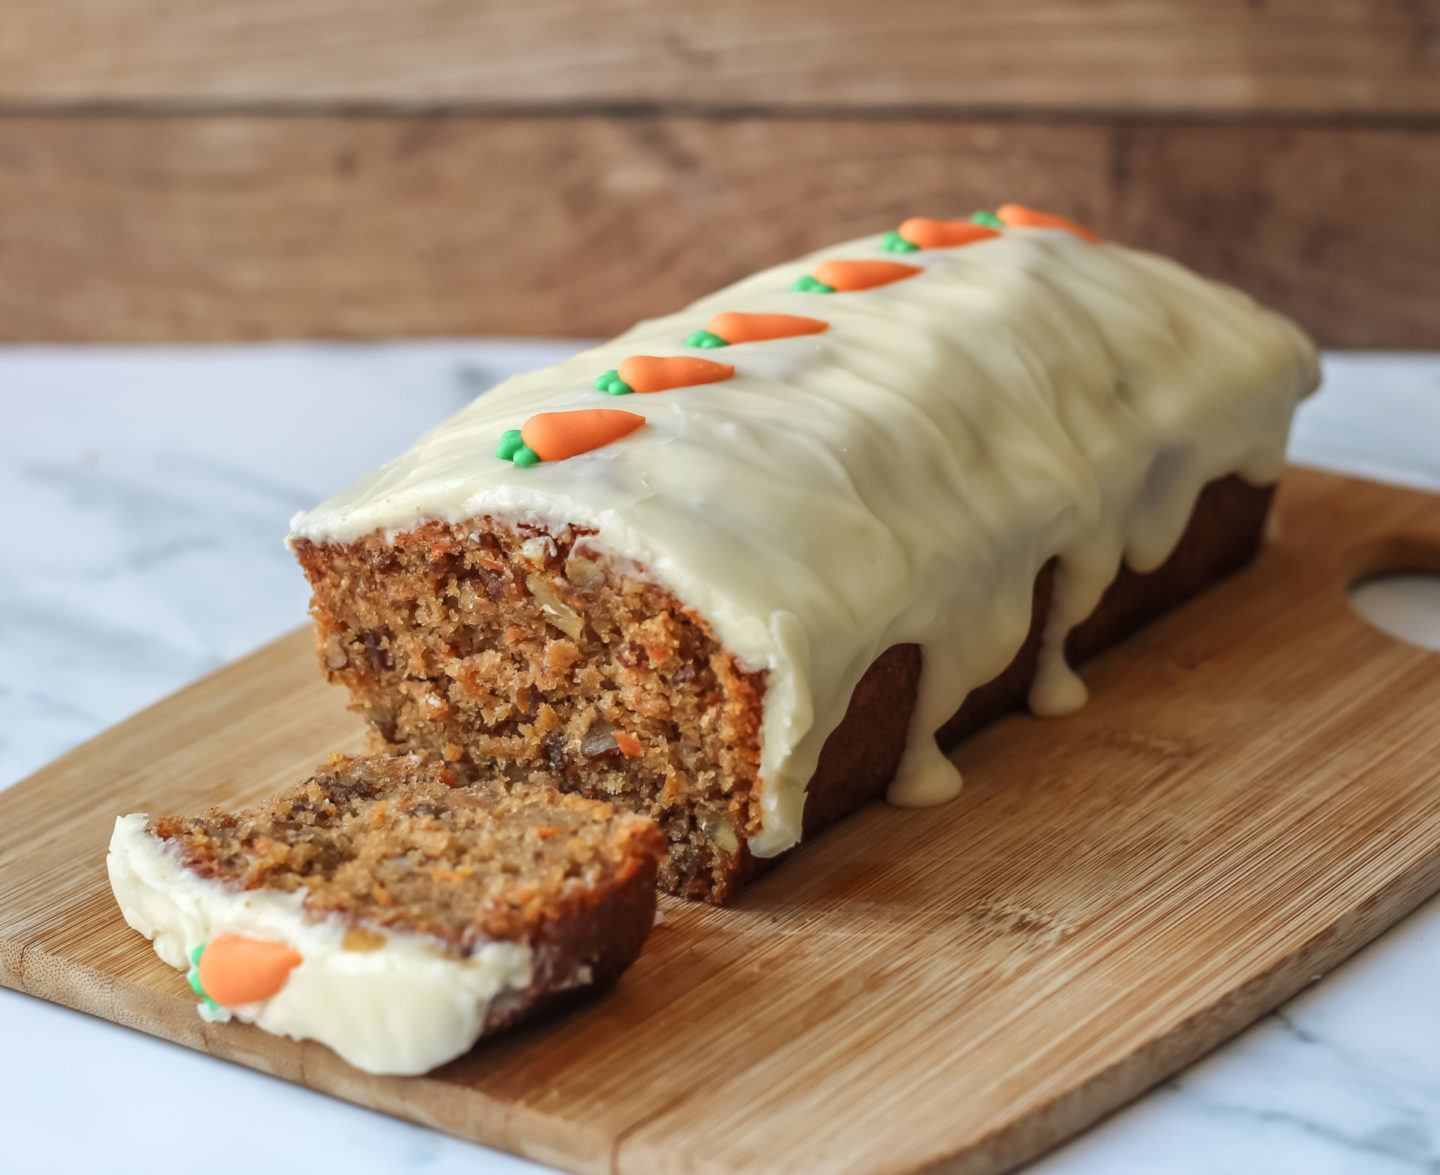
[
  {"x": 402, "y": 1007},
  {"x": 901, "y": 477}
]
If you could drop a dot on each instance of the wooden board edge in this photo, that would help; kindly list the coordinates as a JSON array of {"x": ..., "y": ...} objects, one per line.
[{"x": 1068, "y": 1116}]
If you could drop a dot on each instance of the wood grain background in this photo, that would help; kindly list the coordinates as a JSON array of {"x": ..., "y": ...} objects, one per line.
[{"x": 355, "y": 168}]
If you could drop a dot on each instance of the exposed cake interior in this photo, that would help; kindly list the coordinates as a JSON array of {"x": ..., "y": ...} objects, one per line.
[
  {"x": 503, "y": 646},
  {"x": 397, "y": 844}
]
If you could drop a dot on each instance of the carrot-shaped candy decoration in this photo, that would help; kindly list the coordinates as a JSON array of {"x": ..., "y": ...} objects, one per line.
[
  {"x": 554, "y": 436},
  {"x": 1018, "y": 216},
  {"x": 732, "y": 327},
  {"x": 651, "y": 373},
  {"x": 845, "y": 277},
  {"x": 234, "y": 969},
  {"x": 920, "y": 232}
]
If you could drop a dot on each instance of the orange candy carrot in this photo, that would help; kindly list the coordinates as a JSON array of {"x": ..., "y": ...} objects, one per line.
[
  {"x": 925, "y": 233},
  {"x": 649, "y": 373},
  {"x": 557, "y": 435},
  {"x": 848, "y": 276},
  {"x": 734, "y": 327},
  {"x": 235, "y": 969},
  {"x": 1018, "y": 216}
]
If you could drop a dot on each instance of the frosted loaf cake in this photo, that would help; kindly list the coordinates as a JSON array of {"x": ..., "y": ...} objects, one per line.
[{"x": 739, "y": 566}]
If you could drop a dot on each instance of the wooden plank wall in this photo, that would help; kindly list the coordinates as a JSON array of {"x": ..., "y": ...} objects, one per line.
[{"x": 355, "y": 168}]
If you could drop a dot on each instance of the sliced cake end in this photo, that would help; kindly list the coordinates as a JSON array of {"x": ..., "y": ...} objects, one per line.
[{"x": 390, "y": 909}]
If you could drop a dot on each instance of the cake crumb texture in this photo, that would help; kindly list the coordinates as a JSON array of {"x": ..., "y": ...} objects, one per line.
[
  {"x": 490, "y": 646},
  {"x": 409, "y": 844}
]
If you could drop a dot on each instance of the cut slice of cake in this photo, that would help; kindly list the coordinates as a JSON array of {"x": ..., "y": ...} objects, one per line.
[{"x": 389, "y": 909}]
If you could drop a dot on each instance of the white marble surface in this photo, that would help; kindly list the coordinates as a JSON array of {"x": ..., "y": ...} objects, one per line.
[{"x": 148, "y": 491}]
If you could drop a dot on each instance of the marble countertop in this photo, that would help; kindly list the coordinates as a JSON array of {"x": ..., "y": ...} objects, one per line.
[{"x": 153, "y": 487}]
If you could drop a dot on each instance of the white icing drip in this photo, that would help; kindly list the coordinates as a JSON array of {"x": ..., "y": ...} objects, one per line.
[
  {"x": 404, "y": 1007},
  {"x": 900, "y": 478},
  {"x": 925, "y": 776}
]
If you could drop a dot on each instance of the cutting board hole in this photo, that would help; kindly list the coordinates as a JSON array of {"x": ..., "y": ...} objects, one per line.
[{"x": 1402, "y": 604}]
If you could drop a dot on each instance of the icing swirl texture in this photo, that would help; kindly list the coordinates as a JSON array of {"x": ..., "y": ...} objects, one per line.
[{"x": 900, "y": 477}]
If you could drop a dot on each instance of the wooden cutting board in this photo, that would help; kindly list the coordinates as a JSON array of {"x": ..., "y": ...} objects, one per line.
[{"x": 1252, "y": 794}]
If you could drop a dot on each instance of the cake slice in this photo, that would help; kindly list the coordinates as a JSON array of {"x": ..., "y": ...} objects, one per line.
[
  {"x": 388, "y": 909},
  {"x": 751, "y": 565}
]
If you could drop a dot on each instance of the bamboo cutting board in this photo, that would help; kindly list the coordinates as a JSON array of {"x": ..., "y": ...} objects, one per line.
[{"x": 1252, "y": 794}]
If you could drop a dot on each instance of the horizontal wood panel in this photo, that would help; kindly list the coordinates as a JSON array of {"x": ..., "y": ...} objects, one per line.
[
  {"x": 1356, "y": 56},
  {"x": 133, "y": 229}
]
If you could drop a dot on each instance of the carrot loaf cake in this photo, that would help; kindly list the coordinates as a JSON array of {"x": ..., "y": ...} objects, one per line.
[
  {"x": 389, "y": 909},
  {"x": 743, "y": 567}
]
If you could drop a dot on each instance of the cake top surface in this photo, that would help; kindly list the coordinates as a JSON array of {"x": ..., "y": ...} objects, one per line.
[
  {"x": 399, "y": 844},
  {"x": 880, "y": 443}
]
